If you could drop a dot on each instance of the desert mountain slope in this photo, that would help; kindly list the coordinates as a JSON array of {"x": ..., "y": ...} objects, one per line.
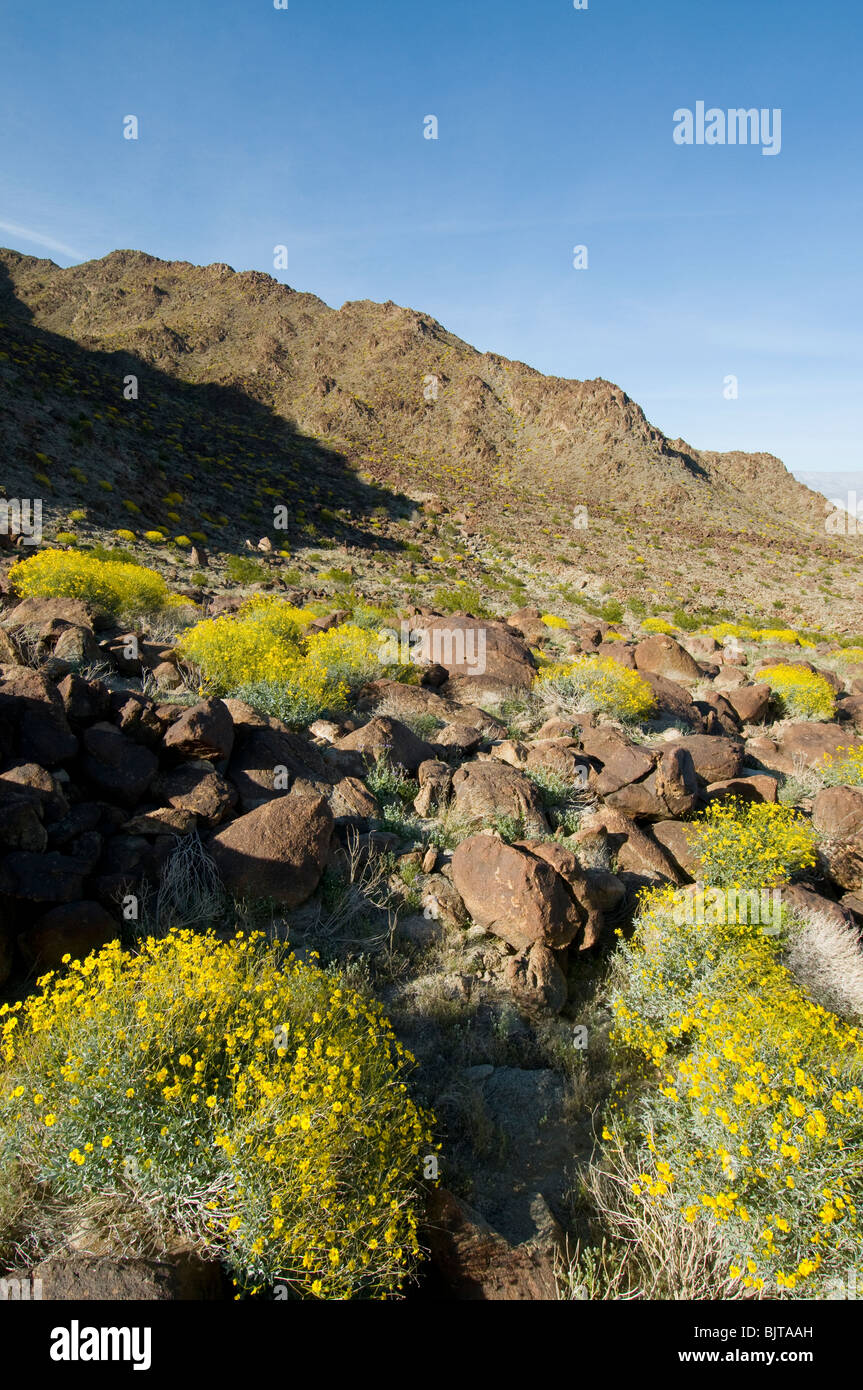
[{"x": 334, "y": 405}]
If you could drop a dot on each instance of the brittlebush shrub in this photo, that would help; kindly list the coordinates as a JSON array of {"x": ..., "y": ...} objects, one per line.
[
  {"x": 113, "y": 587},
  {"x": 265, "y": 655},
  {"x": 842, "y": 769},
  {"x": 749, "y": 845},
  {"x": 743, "y": 1129},
  {"x": 601, "y": 684},
  {"x": 232, "y": 1095},
  {"x": 800, "y": 694}
]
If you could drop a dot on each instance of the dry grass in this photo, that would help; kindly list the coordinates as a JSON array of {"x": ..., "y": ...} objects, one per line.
[{"x": 825, "y": 957}]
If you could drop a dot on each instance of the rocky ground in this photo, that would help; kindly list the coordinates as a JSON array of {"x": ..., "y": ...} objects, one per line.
[{"x": 423, "y": 840}]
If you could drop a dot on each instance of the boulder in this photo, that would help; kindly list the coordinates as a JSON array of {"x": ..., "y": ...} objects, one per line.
[
  {"x": 206, "y": 731},
  {"x": 760, "y": 787},
  {"x": 277, "y": 851},
  {"x": 661, "y": 655},
  {"x": 120, "y": 769},
  {"x": 536, "y": 980},
  {"x": 516, "y": 894},
  {"x": 621, "y": 761},
  {"x": 199, "y": 788},
  {"x": 675, "y": 838},
  {"x": 42, "y": 878},
  {"x": 75, "y": 929},
  {"x": 637, "y": 852},
  {"x": 269, "y": 758},
  {"x": 673, "y": 702},
  {"x": 807, "y": 744},
  {"x": 471, "y": 1262},
  {"x": 838, "y": 812},
  {"x": 483, "y": 791},
  {"x": 750, "y": 702},
  {"x": 714, "y": 757},
  {"x": 389, "y": 739},
  {"x": 475, "y": 649},
  {"x": 35, "y": 708}
]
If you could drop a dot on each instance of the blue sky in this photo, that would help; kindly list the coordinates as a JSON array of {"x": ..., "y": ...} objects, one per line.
[{"x": 304, "y": 127}]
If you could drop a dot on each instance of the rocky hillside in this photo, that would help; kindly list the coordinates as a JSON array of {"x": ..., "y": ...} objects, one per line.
[{"x": 360, "y": 409}]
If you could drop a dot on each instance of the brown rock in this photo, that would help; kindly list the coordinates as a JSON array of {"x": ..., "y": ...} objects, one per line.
[
  {"x": 661, "y": 655},
  {"x": 676, "y": 781},
  {"x": 197, "y": 787},
  {"x": 536, "y": 979},
  {"x": 760, "y": 787},
  {"x": 807, "y": 744},
  {"x": 206, "y": 731},
  {"x": 750, "y": 702},
  {"x": 75, "y": 929},
  {"x": 675, "y": 837},
  {"x": 266, "y": 757},
  {"x": 35, "y": 708},
  {"x": 278, "y": 851},
  {"x": 388, "y": 738},
  {"x": 484, "y": 791},
  {"x": 637, "y": 852},
  {"x": 714, "y": 757},
  {"x": 473, "y": 1263},
  {"x": 120, "y": 769},
  {"x": 515, "y": 894},
  {"x": 838, "y": 812}
]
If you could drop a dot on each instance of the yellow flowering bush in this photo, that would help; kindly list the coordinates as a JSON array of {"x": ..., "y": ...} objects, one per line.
[
  {"x": 852, "y": 655},
  {"x": 599, "y": 683},
  {"x": 748, "y": 844},
  {"x": 801, "y": 694},
  {"x": 748, "y": 1113},
  {"x": 744, "y": 633},
  {"x": 551, "y": 620},
  {"x": 265, "y": 656},
  {"x": 842, "y": 769},
  {"x": 113, "y": 587},
  {"x": 232, "y": 1093},
  {"x": 658, "y": 625}
]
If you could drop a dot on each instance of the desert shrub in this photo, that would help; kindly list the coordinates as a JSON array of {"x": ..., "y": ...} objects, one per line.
[
  {"x": 260, "y": 643},
  {"x": 391, "y": 783},
  {"x": 66, "y": 537},
  {"x": 461, "y": 598},
  {"x": 851, "y": 655},
  {"x": 265, "y": 656},
  {"x": 598, "y": 683},
  {"x": 842, "y": 769},
  {"x": 551, "y": 620},
  {"x": 685, "y": 621},
  {"x": 183, "y": 542},
  {"x": 112, "y": 586},
  {"x": 78, "y": 515},
  {"x": 749, "y": 844},
  {"x": 125, "y": 535},
  {"x": 744, "y": 1121},
  {"x": 659, "y": 625},
  {"x": 229, "y": 1093},
  {"x": 824, "y": 955},
  {"x": 746, "y": 633},
  {"x": 154, "y": 537},
  {"x": 241, "y": 570},
  {"x": 800, "y": 694}
]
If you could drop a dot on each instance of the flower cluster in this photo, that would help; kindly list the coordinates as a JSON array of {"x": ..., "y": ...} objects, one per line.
[
  {"x": 238, "y": 1095},
  {"x": 800, "y": 694},
  {"x": 113, "y": 587},
  {"x": 266, "y": 655},
  {"x": 745, "y": 844},
  {"x": 599, "y": 683},
  {"x": 748, "y": 1113}
]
